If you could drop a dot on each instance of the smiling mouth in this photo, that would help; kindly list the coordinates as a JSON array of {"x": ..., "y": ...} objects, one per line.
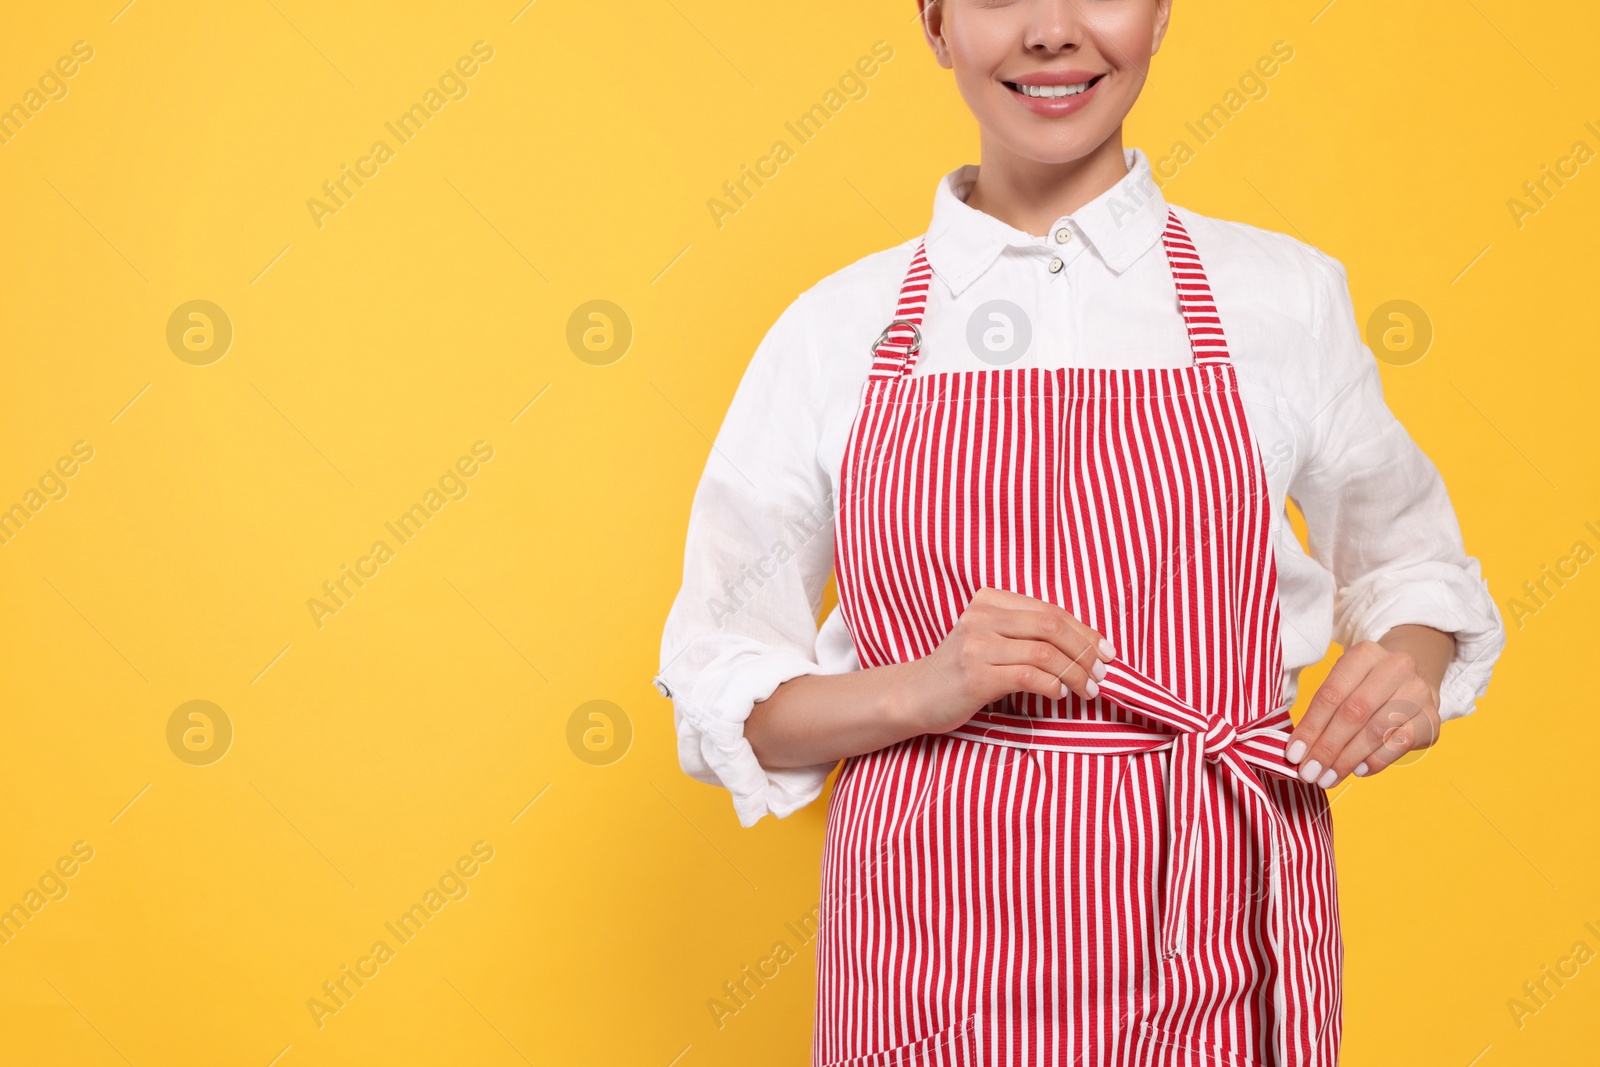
[{"x": 1048, "y": 92}]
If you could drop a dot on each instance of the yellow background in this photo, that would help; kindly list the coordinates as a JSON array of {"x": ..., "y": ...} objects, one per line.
[{"x": 432, "y": 711}]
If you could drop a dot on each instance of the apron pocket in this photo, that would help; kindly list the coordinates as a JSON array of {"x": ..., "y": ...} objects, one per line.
[
  {"x": 1215, "y": 1055},
  {"x": 955, "y": 1044}
]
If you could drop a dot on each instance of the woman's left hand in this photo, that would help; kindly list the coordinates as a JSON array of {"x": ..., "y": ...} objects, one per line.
[{"x": 1380, "y": 701}]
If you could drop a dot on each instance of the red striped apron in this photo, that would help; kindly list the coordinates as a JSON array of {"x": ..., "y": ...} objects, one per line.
[{"x": 1137, "y": 879}]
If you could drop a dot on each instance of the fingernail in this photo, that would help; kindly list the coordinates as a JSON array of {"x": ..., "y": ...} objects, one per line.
[
  {"x": 1064, "y": 691},
  {"x": 1329, "y": 776},
  {"x": 1098, "y": 670},
  {"x": 1361, "y": 769},
  {"x": 1310, "y": 770},
  {"x": 1297, "y": 748},
  {"x": 1091, "y": 688},
  {"x": 1107, "y": 649}
]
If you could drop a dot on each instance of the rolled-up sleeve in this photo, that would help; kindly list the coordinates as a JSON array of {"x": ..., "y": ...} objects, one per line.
[
  {"x": 757, "y": 557},
  {"x": 1378, "y": 515}
]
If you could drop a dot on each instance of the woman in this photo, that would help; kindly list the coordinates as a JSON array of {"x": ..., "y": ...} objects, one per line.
[{"x": 1075, "y": 823}]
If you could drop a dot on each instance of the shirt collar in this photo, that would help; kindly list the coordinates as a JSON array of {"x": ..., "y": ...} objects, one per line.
[{"x": 1120, "y": 224}]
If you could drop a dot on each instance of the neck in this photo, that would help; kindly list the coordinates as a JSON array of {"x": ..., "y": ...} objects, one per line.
[{"x": 1029, "y": 195}]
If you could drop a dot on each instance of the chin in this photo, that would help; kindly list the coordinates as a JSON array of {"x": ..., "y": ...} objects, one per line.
[
  {"x": 1052, "y": 146},
  {"x": 1059, "y": 140}
]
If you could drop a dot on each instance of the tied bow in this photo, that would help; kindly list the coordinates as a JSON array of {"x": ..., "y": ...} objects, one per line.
[
  {"x": 1209, "y": 747},
  {"x": 1208, "y": 753}
]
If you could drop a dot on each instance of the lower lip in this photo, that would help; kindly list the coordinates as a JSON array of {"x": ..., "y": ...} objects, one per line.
[{"x": 1055, "y": 106}]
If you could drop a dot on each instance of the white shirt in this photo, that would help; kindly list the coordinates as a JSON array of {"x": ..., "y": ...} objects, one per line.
[{"x": 1385, "y": 545}]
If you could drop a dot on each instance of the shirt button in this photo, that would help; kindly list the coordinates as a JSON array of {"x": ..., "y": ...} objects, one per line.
[
  {"x": 662, "y": 689},
  {"x": 1063, "y": 235},
  {"x": 1056, "y": 265}
]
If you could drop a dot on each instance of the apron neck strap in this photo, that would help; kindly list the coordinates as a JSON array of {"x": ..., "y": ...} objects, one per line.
[
  {"x": 1199, "y": 309},
  {"x": 894, "y": 353}
]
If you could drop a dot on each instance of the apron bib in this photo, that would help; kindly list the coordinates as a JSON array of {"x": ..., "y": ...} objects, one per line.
[{"x": 1137, "y": 879}]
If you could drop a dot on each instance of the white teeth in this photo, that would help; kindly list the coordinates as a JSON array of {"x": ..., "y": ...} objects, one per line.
[{"x": 1053, "y": 90}]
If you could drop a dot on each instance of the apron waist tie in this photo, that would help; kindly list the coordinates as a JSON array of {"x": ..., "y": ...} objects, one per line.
[{"x": 1197, "y": 742}]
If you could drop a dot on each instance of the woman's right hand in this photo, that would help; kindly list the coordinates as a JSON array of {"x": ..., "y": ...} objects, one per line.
[{"x": 1003, "y": 643}]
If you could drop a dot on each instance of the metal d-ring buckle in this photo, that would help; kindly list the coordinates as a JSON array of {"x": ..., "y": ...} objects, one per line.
[{"x": 916, "y": 337}]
